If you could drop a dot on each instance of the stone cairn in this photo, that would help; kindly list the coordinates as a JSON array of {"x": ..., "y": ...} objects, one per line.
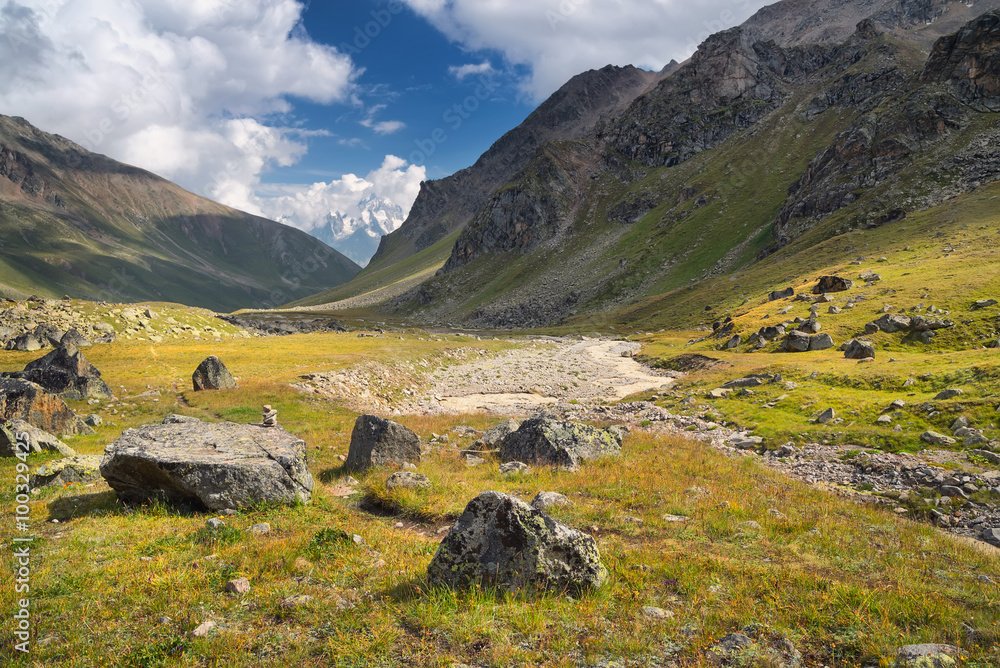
[{"x": 270, "y": 417}]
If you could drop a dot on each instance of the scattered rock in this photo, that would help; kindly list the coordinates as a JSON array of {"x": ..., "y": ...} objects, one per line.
[
  {"x": 858, "y": 349},
  {"x": 821, "y": 342},
  {"x": 545, "y": 500},
  {"x": 473, "y": 460},
  {"x": 292, "y": 602},
  {"x": 513, "y": 468},
  {"x": 944, "y": 395},
  {"x": 212, "y": 374},
  {"x": 407, "y": 480},
  {"x": 74, "y": 338},
  {"x": 490, "y": 440},
  {"x": 239, "y": 586},
  {"x": 797, "y": 342},
  {"x": 832, "y": 284},
  {"x": 203, "y": 629},
  {"x": 983, "y": 303},
  {"x": 826, "y": 416},
  {"x": 545, "y": 440},
  {"x": 926, "y": 656},
  {"x": 214, "y": 523},
  {"x": 217, "y": 466},
  {"x": 781, "y": 294},
  {"x": 934, "y": 438},
  {"x": 992, "y": 536},
  {"x": 79, "y": 469},
  {"x": 38, "y": 440},
  {"x": 656, "y": 614},
  {"x": 991, "y": 457},
  {"x": 503, "y": 541},
  {"x": 376, "y": 441},
  {"x": 260, "y": 529},
  {"x": 890, "y": 323}
]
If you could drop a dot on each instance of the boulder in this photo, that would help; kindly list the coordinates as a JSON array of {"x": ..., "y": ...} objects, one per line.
[
  {"x": 407, "y": 480},
  {"x": 501, "y": 541},
  {"x": 23, "y": 400},
  {"x": 66, "y": 372},
  {"x": 490, "y": 440},
  {"x": 920, "y": 323},
  {"x": 821, "y": 342},
  {"x": 376, "y": 441},
  {"x": 810, "y": 326},
  {"x": 944, "y": 395},
  {"x": 515, "y": 468},
  {"x": 734, "y": 342},
  {"x": 73, "y": 337},
  {"x": 215, "y": 466},
  {"x": 797, "y": 342},
  {"x": 543, "y": 439},
  {"x": 890, "y": 323},
  {"x": 781, "y": 294},
  {"x": 772, "y": 333},
  {"x": 545, "y": 500},
  {"x": 81, "y": 469},
  {"x": 983, "y": 303},
  {"x": 38, "y": 440},
  {"x": 826, "y": 416},
  {"x": 212, "y": 374},
  {"x": 934, "y": 438},
  {"x": 26, "y": 343},
  {"x": 832, "y": 284},
  {"x": 859, "y": 349}
]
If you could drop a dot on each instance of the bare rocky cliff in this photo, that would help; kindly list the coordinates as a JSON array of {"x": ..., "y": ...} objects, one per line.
[{"x": 446, "y": 205}]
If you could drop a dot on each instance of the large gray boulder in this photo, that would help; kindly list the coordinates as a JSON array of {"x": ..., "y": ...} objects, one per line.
[
  {"x": 37, "y": 440},
  {"x": 212, "y": 374},
  {"x": 797, "y": 342},
  {"x": 78, "y": 470},
  {"x": 543, "y": 439},
  {"x": 376, "y": 441},
  {"x": 859, "y": 349},
  {"x": 500, "y": 540},
  {"x": 26, "y": 343},
  {"x": 23, "y": 400},
  {"x": 66, "y": 372},
  {"x": 216, "y": 466},
  {"x": 890, "y": 323}
]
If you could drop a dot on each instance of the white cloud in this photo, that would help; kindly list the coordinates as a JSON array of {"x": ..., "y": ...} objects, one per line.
[
  {"x": 380, "y": 127},
  {"x": 307, "y": 207},
  {"x": 461, "y": 72},
  {"x": 557, "y": 39},
  {"x": 186, "y": 88}
]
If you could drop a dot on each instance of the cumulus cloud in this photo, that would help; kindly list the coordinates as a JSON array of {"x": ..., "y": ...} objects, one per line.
[
  {"x": 461, "y": 72},
  {"x": 557, "y": 39},
  {"x": 307, "y": 207},
  {"x": 189, "y": 89}
]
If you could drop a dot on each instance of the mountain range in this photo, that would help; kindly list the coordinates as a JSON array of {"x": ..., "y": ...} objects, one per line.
[
  {"x": 358, "y": 237},
  {"x": 77, "y": 223},
  {"x": 627, "y": 187}
]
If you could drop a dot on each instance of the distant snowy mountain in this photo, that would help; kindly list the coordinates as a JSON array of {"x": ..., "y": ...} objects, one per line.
[{"x": 356, "y": 234}]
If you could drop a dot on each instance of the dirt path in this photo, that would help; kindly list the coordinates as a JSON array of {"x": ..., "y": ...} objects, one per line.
[{"x": 546, "y": 372}]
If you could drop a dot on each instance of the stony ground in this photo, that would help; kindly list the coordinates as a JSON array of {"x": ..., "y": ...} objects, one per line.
[{"x": 586, "y": 379}]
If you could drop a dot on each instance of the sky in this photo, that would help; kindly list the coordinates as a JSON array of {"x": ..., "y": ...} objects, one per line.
[{"x": 292, "y": 109}]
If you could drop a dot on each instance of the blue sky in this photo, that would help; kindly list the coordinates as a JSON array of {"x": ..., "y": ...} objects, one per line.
[{"x": 295, "y": 110}]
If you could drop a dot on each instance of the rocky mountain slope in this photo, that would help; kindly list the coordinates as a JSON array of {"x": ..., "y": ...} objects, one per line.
[
  {"x": 753, "y": 151},
  {"x": 446, "y": 205},
  {"x": 77, "y": 223}
]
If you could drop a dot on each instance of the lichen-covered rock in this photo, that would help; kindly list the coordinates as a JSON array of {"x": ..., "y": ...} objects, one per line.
[
  {"x": 407, "y": 480},
  {"x": 66, "y": 372},
  {"x": 217, "y": 466},
  {"x": 543, "y": 439},
  {"x": 212, "y": 374},
  {"x": 81, "y": 469},
  {"x": 23, "y": 400},
  {"x": 75, "y": 338},
  {"x": 926, "y": 656},
  {"x": 821, "y": 342},
  {"x": 376, "y": 441},
  {"x": 502, "y": 541},
  {"x": 38, "y": 440}
]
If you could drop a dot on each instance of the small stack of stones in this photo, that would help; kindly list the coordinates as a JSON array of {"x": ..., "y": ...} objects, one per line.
[{"x": 270, "y": 418}]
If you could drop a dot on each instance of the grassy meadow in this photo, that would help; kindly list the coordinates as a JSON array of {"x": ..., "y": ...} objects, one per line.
[{"x": 125, "y": 586}]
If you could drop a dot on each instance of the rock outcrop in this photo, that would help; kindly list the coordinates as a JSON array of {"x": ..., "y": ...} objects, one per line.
[
  {"x": 543, "y": 439},
  {"x": 214, "y": 466},
  {"x": 23, "y": 400},
  {"x": 969, "y": 62},
  {"x": 502, "y": 541},
  {"x": 376, "y": 441},
  {"x": 66, "y": 372}
]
